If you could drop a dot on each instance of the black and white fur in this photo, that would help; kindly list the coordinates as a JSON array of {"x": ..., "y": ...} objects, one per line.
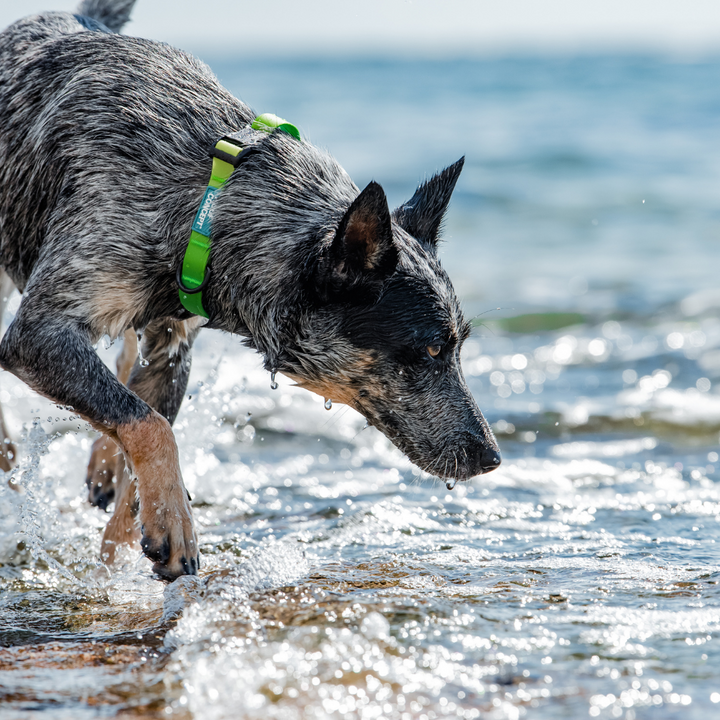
[{"x": 104, "y": 144}]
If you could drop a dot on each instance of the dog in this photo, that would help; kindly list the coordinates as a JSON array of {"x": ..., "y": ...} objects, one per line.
[{"x": 105, "y": 144}]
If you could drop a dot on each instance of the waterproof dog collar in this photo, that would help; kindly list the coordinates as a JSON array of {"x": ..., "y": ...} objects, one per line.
[{"x": 193, "y": 275}]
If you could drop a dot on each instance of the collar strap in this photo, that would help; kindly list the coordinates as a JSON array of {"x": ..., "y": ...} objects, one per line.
[{"x": 193, "y": 275}]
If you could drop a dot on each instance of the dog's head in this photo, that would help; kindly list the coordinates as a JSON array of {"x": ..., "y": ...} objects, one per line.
[{"x": 386, "y": 329}]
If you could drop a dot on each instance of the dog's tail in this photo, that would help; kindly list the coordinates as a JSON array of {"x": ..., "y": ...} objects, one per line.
[{"x": 113, "y": 14}]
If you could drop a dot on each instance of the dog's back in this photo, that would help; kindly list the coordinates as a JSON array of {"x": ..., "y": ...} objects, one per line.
[{"x": 87, "y": 115}]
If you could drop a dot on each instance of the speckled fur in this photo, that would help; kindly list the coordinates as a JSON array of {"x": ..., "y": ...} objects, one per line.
[{"x": 104, "y": 144}]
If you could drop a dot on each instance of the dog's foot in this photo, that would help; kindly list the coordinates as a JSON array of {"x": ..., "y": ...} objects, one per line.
[
  {"x": 168, "y": 536},
  {"x": 165, "y": 515},
  {"x": 101, "y": 472}
]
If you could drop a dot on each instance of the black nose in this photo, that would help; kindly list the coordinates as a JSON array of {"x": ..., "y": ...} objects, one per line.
[
  {"x": 482, "y": 455},
  {"x": 490, "y": 460}
]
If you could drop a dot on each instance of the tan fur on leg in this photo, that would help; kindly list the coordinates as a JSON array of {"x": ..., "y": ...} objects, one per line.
[
  {"x": 122, "y": 527},
  {"x": 128, "y": 355},
  {"x": 165, "y": 516},
  {"x": 101, "y": 476},
  {"x": 101, "y": 467},
  {"x": 8, "y": 451}
]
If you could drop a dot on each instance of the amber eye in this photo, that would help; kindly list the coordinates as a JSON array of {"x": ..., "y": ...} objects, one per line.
[{"x": 433, "y": 350}]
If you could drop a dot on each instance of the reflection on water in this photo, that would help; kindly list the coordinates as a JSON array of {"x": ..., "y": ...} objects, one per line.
[{"x": 580, "y": 579}]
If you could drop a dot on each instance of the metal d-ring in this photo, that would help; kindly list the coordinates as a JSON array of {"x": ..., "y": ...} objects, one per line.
[{"x": 191, "y": 291}]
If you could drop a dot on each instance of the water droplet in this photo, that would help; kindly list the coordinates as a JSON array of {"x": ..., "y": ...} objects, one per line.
[
  {"x": 328, "y": 404},
  {"x": 144, "y": 362},
  {"x": 450, "y": 484},
  {"x": 273, "y": 384},
  {"x": 241, "y": 422},
  {"x": 169, "y": 329}
]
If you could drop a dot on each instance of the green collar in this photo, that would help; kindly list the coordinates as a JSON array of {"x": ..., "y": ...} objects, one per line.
[{"x": 193, "y": 275}]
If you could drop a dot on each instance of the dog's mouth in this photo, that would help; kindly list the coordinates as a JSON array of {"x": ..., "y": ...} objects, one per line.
[
  {"x": 463, "y": 456},
  {"x": 457, "y": 462},
  {"x": 455, "y": 456}
]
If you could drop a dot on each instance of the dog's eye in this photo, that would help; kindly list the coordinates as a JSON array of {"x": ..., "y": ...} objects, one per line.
[{"x": 433, "y": 350}]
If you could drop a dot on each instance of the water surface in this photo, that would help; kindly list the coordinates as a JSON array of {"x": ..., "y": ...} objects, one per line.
[{"x": 580, "y": 579}]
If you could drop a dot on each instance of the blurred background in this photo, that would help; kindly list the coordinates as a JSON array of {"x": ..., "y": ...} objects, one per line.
[{"x": 583, "y": 240}]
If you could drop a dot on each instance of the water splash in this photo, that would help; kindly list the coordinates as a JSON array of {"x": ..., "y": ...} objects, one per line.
[{"x": 39, "y": 518}]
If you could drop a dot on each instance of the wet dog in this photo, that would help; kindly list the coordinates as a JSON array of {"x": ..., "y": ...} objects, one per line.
[{"x": 104, "y": 143}]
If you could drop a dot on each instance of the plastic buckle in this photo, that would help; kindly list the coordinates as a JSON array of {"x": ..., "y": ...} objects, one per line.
[{"x": 233, "y": 160}]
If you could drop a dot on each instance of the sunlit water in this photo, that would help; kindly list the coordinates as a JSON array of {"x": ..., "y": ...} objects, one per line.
[{"x": 578, "y": 580}]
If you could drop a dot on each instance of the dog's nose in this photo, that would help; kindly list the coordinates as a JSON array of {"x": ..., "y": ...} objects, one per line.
[
  {"x": 482, "y": 457},
  {"x": 490, "y": 460}
]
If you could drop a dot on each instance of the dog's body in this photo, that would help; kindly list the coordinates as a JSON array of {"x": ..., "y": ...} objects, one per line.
[{"x": 104, "y": 144}]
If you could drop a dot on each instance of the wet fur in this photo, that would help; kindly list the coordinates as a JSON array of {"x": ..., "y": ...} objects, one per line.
[{"x": 104, "y": 144}]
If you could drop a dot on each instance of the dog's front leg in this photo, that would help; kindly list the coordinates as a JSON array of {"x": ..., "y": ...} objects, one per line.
[
  {"x": 55, "y": 357},
  {"x": 159, "y": 375}
]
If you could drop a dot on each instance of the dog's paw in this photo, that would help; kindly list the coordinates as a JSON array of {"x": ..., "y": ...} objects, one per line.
[
  {"x": 100, "y": 479},
  {"x": 168, "y": 537}
]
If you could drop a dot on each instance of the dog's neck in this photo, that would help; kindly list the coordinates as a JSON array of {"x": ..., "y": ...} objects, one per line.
[{"x": 272, "y": 220}]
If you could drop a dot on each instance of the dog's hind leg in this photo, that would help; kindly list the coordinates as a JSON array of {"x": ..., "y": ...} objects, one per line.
[
  {"x": 8, "y": 452},
  {"x": 161, "y": 378},
  {"x": 122, "y": 527},
  {"x": 54, "y": 355},
  {"x": 106, "y": 464}
]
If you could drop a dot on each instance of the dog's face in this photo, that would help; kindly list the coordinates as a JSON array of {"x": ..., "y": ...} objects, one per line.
[{"x": 386, "y": 334}]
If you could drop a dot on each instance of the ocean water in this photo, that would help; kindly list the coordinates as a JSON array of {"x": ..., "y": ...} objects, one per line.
[{"x": 581, "y": 579}]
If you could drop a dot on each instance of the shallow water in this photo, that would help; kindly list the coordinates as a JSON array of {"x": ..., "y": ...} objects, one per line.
[{"x": 580, "y": 579}]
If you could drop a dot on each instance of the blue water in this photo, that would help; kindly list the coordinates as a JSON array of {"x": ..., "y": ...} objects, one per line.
[
  {"x": 579, "y": 580},
  {"x": 560, "y": 155}
]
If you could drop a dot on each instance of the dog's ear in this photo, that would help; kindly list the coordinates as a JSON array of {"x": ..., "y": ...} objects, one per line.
[
  {"x": 422, "y": 215},
  {"x": 363, "y": 246}
]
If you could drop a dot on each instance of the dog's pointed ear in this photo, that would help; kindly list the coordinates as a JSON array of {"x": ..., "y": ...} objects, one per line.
[
  {"x": 363, "y": 246},
  {"x": 423, "y": 214}
]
